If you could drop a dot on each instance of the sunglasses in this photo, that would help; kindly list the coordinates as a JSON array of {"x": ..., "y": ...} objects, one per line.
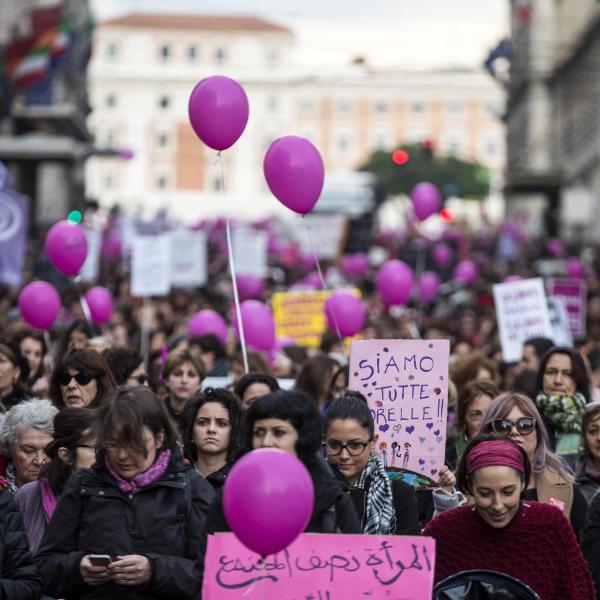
[
  {"x": 82, "y": 378},
  {"x": 524, "y": 426}
]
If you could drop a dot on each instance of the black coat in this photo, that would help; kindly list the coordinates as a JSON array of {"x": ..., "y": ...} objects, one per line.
[
  {"x": 164, "y": 521},
  {"x": 590, "y": 541},
  {"x": 19, "y": 579}
]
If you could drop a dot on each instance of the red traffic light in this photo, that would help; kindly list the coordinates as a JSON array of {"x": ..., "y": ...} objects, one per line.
[
  {"x": 447, "y": 215},
  {"x": 400, "y": 157}
]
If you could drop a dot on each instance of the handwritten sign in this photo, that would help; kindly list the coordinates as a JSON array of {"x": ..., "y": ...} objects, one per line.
[
  {"x": 322, "y": 567},
  {"x": 188, "y": 258},
  {"x": 151, "y": 265},
  {"x": 91, "y": 266},
  {"x": 250, "y": 251},
  {"x": 561, "y": 332},
  {"x": 522, "y": 313},
  {"x": 573, "y": 294},
  {"x": 406, "y": 385}
]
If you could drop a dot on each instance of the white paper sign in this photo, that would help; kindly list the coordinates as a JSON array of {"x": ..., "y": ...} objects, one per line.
[
  {"x": 559, "y": 317},
  {"x": 188, "y": 258},
  {"x": 327, "y": 233},
  {"x": 91, "y": 266},
  {"x": 250, "y": 251},
  {"x": 522, "y": 313},
  {"x": 151, "y": 265}
]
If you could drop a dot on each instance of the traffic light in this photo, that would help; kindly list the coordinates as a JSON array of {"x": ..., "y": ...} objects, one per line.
[{"x": 400, "y": 157}]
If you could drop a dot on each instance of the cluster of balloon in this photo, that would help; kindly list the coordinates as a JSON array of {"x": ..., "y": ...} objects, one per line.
[
  {"x": 39, "y": 304},
  {"x": 206, "y": 322},
  {"x": 259, "y": 324},
  {"x": 345, "y": 313},
  {"x": 394, "y": 282},
  {"x": 249, "y": 286},
  {"x": 268, "y": 500},
  {"x": 426, "y": 200},
  {"x": 466, "y": 272},
  {"x": 101, "y": 304},
  {"x": 429, "y": 285}
]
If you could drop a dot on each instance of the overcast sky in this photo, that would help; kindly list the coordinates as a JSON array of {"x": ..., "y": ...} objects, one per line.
[{"x": 411, "y": 34}]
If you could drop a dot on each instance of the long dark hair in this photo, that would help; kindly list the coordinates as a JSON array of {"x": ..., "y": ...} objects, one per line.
[
  {"x": 27, "y": 332},
  {"x": 580, "y": 375}
]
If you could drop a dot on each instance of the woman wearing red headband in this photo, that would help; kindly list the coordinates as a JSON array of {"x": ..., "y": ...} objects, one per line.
[{"x": 499, "y": 532}]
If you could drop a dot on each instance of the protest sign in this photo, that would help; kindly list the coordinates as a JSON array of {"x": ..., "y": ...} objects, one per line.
[
  {"x": 573, "y": 294},
  {"x": 327, "y": 233},
  {"x": 14, "y": 224},
  {"x": 151, "y": 265},
  {"x": 522, "y": 313},
  {"x": 188, "y": 258},
  {"x": 250, "y": 251},
  {"x": 91, "y": 266},
  {"x": 321, "y": 567},
  {"x": 406, "y": 386},
  {"x": 561, "y": 332}
]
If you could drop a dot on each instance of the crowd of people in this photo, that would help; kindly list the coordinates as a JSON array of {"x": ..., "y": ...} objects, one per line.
[{"x": 112, "y": 470}]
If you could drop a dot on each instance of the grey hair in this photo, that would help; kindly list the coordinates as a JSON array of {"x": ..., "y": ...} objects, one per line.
[{"x": 38, "y": 414}]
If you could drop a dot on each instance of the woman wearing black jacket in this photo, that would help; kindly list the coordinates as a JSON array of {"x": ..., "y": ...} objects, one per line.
[{"x": 138, "y": 504}]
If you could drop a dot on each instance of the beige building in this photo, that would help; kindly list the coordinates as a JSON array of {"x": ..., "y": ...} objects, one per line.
[{"x": 145, "y": 66}]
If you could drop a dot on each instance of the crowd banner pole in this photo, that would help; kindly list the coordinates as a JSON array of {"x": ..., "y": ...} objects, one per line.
[
  {"x": 421, "y": 257},
  {"x": 145, "y": 339}
]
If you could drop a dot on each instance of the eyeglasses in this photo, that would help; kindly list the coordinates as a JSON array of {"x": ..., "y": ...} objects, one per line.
[
  {"x": 333, "y": 447},
  {"x": 524, "y": 426},
  {"x": 82, "y": 378}
]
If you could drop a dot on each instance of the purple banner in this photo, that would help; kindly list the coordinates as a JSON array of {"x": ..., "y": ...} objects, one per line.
[
  {"x": 573, "y": 294},
  {"x": 14, "y": 224}
]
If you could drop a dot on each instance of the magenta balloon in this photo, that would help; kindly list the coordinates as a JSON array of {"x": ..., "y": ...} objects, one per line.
[
  {"x": 465, "y": 271},
  {"x": 575, "y": 268},
  {"x": 218, "y": 110},
  {"x": 354, "y": 265},
  {"x": 112, "y": 246},
  {"x": 442, "y": 255},
  {"x": 259, "y": 325},
  {"x": 345, "y": 310},
  {"x": 39, "y": 304},
  {"x": 101, "y": 304},
  {"x": 66, "y": 247},
  {"x": 555, "y": 246},
  {"x": 314, "y": 280},
  {"x": 426, "y": 199},
  {"x": 394, "y": 282},
  {"x": 207, "y": 322},
  {"x": 249, "y": 286},
  {"x": 126, "y": 153},
  {"x": 268, "y": 500},
  {"x": 295, "y": 173},
  {"x": 429, "y": 285},
  {"x": 512, "y": 278}
]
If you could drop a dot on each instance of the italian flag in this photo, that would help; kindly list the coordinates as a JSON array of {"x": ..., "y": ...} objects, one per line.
[
  {"x": 35, "y": 64},
  {"x": 61, "y": 41}
]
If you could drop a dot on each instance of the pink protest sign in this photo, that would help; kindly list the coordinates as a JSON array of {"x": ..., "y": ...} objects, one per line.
[
  {"x": 406, "y": 385},
  {"x": 321, "y": 567},
  {"x": 573, "y": 294}
]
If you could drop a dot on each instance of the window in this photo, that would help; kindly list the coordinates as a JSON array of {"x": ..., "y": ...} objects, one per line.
[
  {"x": 381, "y": 107},
  {"x": 272, "y": 104},
  {"x": 111, "y": 100},
  {"x": 109, "y": 181},
  {"x": 455, "y": 108},
  {"x": 162, "y": 182},
  {"x": 164, "y": 102},
  {"x": 273, "y": 57},
  {"x": 220, "y": 55},
  {"x": 164, "y": 52},
  {"x": 381, "y": 140},
  {"x": 216, "y": 183},
  {"x": 417, "y": 108},
  {"x": 110, "y": 138},
  {"x": 162, "y": 140},
  {"x": 192, "y": 53},
  {"x": 308, "y": 107},
  {"x": 343, "y": 144},
  {"x": 112, "y": 50},
  {"x": 343, "y": 107}
]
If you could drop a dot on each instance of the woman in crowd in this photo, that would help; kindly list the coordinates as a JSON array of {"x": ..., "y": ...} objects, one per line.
[
  {"x": 474, "y": 366},
  {"x": 315, "y": 379},
  {"x": 211, "y": 351},
  {"x": 182, "y": 374},
  {"x": 516, "y": 417},
  {"x": 528, "y": 540},
  {"x": 252, "y": 386},
  {"x": 138, "y": 504},
  {"x": 127, "y": 367},
  {"x": 587, "y": 473},
  {"x": 82, "y": 379},
  {"x": 289, "y": 421},
  {"x": 72, "y": 448},
  {"x": 33, "y": 347},
  {"x": 563, "y": 390},
  {"x": 256, "y": 364},
  {"x": 14, "y": 371},
  {"x": 76, "y": 336},
  {"x": 210, "y": 431},
  {"x": 26, "y": 431}
]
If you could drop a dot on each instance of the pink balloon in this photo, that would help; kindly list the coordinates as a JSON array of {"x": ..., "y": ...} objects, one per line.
[
  {"x": 575, "y": 268},
  {"x": 426, "y": 199},
  {"x": 345, "y": 310},
  {"x": 208, "y": 321},
  {"x": 442, "y": 255},
  {"x": 249, "y": 286},
  {"x": 555, "y": 247},
  {"x": 466, "y": 271},
  {"x": 268, "y": 500},
  {"x": 313, "y": 280},
  {"x": 394, "y": 282},
  {"x": 112, "y": 246},
  {"x": 101, "y": 304},
  {"x": 126, "y": 153},
  {"x": 429, "y": 284},
  {"x": 354, "y": 265},
  {"x": 39, "y": 304},
  {"x": 259, "y": 324},
  {"x": 512, "y": 278},
  {"x": 218, "y": 110},
  {"x": 295, "y": 173},
  {"x": 66, "y": 247}
]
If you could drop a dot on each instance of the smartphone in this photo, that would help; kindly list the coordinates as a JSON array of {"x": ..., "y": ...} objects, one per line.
[{"x": 100, "y": 560}]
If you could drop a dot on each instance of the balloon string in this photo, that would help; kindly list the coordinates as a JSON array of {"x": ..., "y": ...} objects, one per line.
[
  {"x": 84, "y": 305},
  {"x": 249, "y": 590},
  {"x": 238, "y": 310},
  {"x": 313, "y": 251},
  {"x": 419, "y": 271}
]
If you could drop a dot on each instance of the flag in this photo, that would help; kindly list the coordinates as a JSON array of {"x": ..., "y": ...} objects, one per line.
[
  {"x": 14, "y": 224},
  {"x": 61, "y": 42},
  {"x": 35, "y": 64}
]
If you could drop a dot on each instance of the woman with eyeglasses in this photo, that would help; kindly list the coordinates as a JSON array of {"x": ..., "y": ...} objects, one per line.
[
  {"x": 587, "y": 472},
  {"x": 139, "y": 507},
  {"x": 82, "y": 379},
  {"x": 127, "y": 366},
  {"x": 72, "y": 448},
  {"x": 210, "y": 431},
  {"x": 516, "y": 417}
]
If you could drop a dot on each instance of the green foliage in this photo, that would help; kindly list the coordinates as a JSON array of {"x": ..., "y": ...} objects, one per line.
[{"x": 453, "y": 176}]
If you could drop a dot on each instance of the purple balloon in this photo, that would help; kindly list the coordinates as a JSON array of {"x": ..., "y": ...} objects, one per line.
[
  {"x": 295, "y": 173},
  {"x": 345, "y": 310},
  {"x": 249, "y": 286},
  {"x": 39, "y": 304},
  {"x": 429, "y": 284},
  {"x": 442, "y": 255},
  {"x": 66, "y": 247},
  {"x": 268, "y": 500},
  {"x": 466, "y": 271},
  {"x": 394, "y": 282},
  {"x": 555, "y": 247},
  {"x": 101, "y": 304},
  {"x": 207, "y": 322},
  {"x": 354, "y": 265},
  {"x": 575, "y": 268},
  {"x": 426, "y": 199},
  {"x": 512, "y": 278},
  {"x": 313, "y": 280},
  {"x": 259, "y": 324},
  {"x": 112, "y": 246},
  {"x": 218, "y": 110},
  {"x": 126, "y": 153}
]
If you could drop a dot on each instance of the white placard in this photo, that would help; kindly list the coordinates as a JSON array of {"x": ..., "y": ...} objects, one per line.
[
  {"x": 151, "y": 265},
  {"x": 250, "y": 251},
  {"x": 188, "y": 258},
  {"x": 522, "y": 313},
  {"x": 91, "y": 266},
  {"x": 559, "y": 317},
  {"x": 326, "y": 232}
]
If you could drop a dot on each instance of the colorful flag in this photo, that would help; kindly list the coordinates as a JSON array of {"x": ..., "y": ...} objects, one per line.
[{"x": 14, "y": 223}]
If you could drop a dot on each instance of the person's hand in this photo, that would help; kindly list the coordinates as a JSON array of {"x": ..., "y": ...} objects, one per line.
[
  {"x": 132, "y": 569},
  {"x": 93, "y": 575},
  {"x": 446, "y": 480}
]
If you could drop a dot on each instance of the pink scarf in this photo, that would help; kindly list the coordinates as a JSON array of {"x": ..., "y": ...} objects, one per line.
[
  {"x": 141, "y": 480},
  {"x": 48, "y": 497}
]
